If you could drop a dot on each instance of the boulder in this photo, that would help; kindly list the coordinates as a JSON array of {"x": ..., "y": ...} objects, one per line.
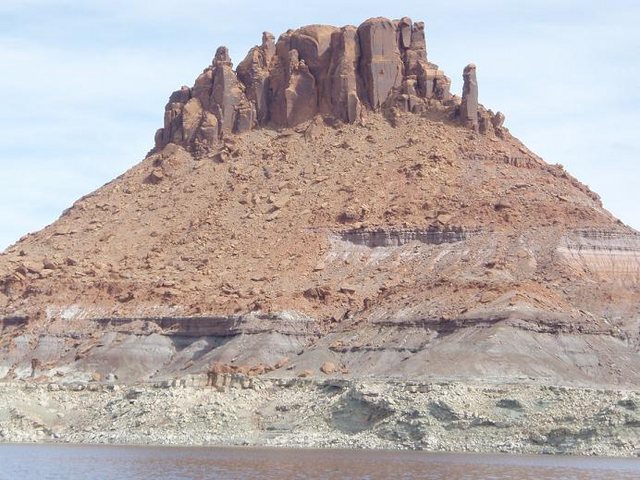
[
  {"x": 158, "y": 138},
  {"x": 441, "y": 86},
  {"x": 281, "y": 363},
  {"x": 409, "y": 99},
  {"x": 181, "y": 96},
  {"x": 328, "y": 368},
  {"x": 172, "y": 131},
  {"x": 498, "y": 120}
]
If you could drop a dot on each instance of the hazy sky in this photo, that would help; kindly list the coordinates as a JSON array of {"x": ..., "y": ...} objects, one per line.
[{"x": 84, "y": 83}]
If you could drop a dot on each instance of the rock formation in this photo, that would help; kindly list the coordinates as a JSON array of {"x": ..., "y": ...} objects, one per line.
[
  {"x": 381, "y": 67},
  {"x": 253, "y": 72},
  {"x": 469, "y": 105},
  {"x": 214, "y": 107},
  {"x": 315, "y": 70},
  {"x": 331, "y": 203},
  {"x": 345, "y": 83}
]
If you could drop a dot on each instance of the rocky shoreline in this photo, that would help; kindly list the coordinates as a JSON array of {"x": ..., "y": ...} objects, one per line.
[{"x": 434, "y": 416}]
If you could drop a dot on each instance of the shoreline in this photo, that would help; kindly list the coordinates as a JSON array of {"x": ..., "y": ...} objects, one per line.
[
  {"x": 435, "y": 417},
  {"x": 551, "y": 457}
]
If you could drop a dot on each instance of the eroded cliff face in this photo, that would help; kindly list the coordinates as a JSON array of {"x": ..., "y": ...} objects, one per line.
[
  {"x": 338, "y": 73},
  {"x": 329, "y": 209}
]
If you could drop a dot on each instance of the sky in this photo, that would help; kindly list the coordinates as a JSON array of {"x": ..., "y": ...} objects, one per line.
[{"x": 84, "y": 83}]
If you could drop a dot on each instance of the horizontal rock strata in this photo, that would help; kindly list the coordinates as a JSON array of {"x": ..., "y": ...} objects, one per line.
[
  {"x": 392, "y": 238},
  {"x": 366, "y": 224},
  {"x": 435, "y": 416}
]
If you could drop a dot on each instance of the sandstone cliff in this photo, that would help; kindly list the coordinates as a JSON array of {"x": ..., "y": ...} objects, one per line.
[
  {"x": 329, "y": 208},
  {"x": 338, "y": 73}
]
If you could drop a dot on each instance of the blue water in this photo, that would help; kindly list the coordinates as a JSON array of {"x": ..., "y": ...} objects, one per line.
[{"x": 72, "y": 462}]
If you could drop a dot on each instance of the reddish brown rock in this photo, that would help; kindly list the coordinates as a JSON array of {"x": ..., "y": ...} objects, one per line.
[
  {"x": 279, "y": 76},
  {"x": 191, "y": 119},
  {"x": 430, "y": 81},
  {"x": 234, "y": 112},
  {"x": 498, "y": 121},
  {"x": 314, "y": 47},
  {"x": 315, "y": 70},
  {"x": 293, "y": 88},
  {"x": 301, "y": 94},
  {"x": 418, "y": 40},
  {"x": 379, "y": 245},
  {"x": 328, "y": 368},
  {"x": 253, "y": 72},
  {"x": 216, "y": 105},
  {"x": 203, "y": 86},
  {"x": 469, "y": 106},
  {"x": 181, "y": 96},
  {"x": 209, "y": 129},
  {"x": 405, "y": 32},
  {"x": 414, "y": 52},
  {"x": 380, "y": 64},
  {"x": 343, "y": 74},
  {"x": 172, "y": 131},
  {"x": 281, "y": 363}
]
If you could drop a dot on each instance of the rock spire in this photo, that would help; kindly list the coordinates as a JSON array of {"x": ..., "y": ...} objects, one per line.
[{"x": 469, "y": 106}]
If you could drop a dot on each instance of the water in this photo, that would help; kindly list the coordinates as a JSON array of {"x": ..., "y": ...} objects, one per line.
[{"x": 52, "y": 462}]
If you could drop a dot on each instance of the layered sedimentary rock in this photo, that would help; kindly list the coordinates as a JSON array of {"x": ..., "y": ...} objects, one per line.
[
  {"x": 315, "y": 70},
  {"x": 347, "y": 236}
]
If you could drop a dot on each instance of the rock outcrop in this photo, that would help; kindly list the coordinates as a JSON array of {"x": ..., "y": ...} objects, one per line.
[
  {"x": 345, "y": 83},
  {"x": 253, "y": 72},
  {"x": 348, "y": 235},
  {"x": 469, "y": 106},
  {"x": 380, "y": 64},
  {"x": 337, "y": 73},
  {"x": 214, "y": 107}
]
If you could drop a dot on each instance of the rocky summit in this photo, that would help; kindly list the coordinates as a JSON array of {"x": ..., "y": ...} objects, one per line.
[{"x": 330, "y": 212}]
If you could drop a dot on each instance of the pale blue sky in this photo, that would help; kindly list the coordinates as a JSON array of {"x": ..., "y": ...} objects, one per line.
[{"x": 84, "y": 83}]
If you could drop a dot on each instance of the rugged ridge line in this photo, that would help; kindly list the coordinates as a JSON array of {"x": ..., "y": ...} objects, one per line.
[{"x": 338, "y": 73}]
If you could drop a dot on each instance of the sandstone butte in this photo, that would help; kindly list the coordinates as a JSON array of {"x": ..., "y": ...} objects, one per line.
[{"x": 329, "y": 209}]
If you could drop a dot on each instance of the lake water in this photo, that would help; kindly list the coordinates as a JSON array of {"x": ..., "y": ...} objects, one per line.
[{"x": 49, "y": 462}]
